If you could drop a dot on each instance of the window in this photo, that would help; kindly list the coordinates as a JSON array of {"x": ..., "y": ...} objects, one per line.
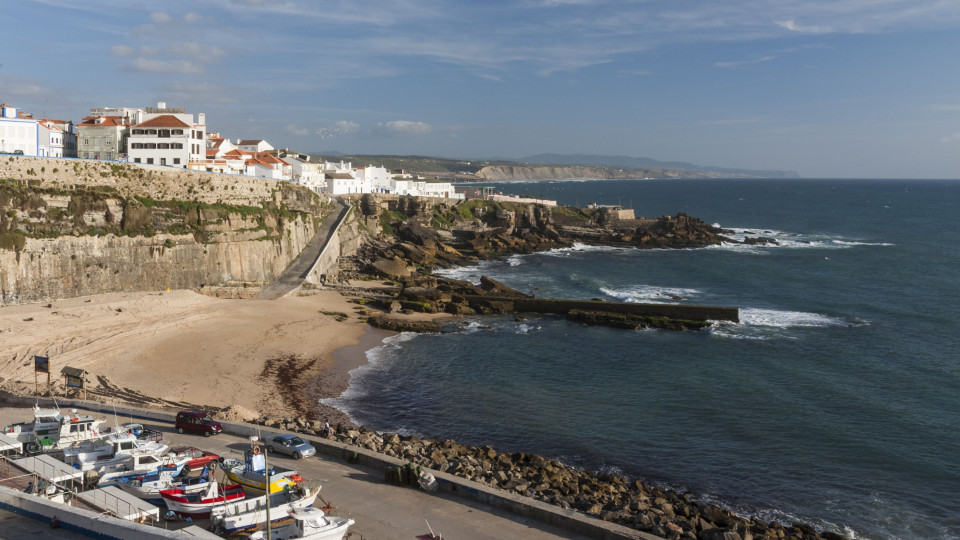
[
  {"x": 136, "y": 160},
  {"x": 150, "y": 161},
  {"x": 163, "y": 146},
  {"x": 176, "y": 131},
  {"x": 86, "y": 140},
  {"x": 176, "y": 146},
  {"x": 176, "y": 161},
  {"x": 164, "y": 133},
  {"x": 106, "y": 140}
]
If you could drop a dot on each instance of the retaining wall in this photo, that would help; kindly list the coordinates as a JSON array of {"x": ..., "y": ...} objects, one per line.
[{"x": 510, "y": 502}]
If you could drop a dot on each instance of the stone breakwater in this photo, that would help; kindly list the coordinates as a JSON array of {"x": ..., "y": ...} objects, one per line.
[{"x": 611, "y": 498}]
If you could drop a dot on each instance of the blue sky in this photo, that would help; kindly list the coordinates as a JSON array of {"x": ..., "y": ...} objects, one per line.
[{"x": 838, "y": 88}]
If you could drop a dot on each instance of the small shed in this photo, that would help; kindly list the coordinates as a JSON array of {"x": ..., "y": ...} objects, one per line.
[{"x": 75, "y": 378}]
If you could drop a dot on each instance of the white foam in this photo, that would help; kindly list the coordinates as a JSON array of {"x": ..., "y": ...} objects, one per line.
[
  {"x": 783, "y": 239},
  {"x": 650, "y": 293},
  {"x": 786, "y": 319},
  {"x": 515, "y": 260},
  {"x": 578, "y": 247}
]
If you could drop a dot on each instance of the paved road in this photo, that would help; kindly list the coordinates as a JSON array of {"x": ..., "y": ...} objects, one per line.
[
  {"x": 295, "y": 274},
  {"x": 382, "y": 511}
]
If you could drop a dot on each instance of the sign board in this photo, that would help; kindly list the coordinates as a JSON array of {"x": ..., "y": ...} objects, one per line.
[
  {"x": 41, "y": 364},
  {"x": 74, "y": 382}
]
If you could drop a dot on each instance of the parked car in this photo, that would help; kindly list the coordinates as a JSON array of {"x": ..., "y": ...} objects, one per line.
[
  {"x": 197, "y": 422},
  {"x": 199, "y": 458},
  {"x": 290, "y": 445}
]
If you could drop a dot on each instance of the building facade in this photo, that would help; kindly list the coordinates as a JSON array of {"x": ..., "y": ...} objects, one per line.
[
  {"x": 102, "y": 137},
  {"x": 17, "y": 135},
  {"x": 168, "y": 136}
]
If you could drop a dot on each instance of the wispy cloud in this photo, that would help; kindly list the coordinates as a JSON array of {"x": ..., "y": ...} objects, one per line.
[
  {"x": 744, "y": 62},
  {"x": 404, "y": 127},
  {"x": 794, "y": 27}
]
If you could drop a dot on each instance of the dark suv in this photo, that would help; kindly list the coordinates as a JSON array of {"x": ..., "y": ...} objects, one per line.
[{"x": 197, "y": 422}]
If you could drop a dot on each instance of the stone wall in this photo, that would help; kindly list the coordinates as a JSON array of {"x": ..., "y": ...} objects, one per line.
[{"x": 205, "y": 229}]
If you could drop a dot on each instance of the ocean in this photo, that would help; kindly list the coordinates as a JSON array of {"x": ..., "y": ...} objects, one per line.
[{"x": 835, "y": 401}]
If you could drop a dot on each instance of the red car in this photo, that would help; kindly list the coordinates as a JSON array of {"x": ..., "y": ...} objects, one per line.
[{"x": 198, "y": 458}]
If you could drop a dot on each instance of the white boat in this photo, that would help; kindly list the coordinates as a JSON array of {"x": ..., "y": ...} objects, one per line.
[
  {"x": 50, "y": 430},
  {"x": 309, "y": 524},
  {"x": 141, "y": 465},
  {"x": 149, "y": 486},
  {"x": 115, "y": 452},
  {"x": 251, "y": 513},
  {"x": 200, "y": 503},
  {"x": 251, "y": 474}
]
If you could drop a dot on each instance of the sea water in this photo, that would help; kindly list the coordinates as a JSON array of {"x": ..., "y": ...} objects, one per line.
[{"x": 835, "y": 401}]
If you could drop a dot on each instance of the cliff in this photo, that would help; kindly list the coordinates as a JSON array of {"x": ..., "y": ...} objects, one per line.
[
  {"x": 72, "y": 228},
  {"x": 503, "y": 173}
]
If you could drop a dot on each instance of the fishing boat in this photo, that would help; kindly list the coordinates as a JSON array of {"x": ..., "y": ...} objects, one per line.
[
  {"x": 51, "y": 430},
  {"x": 251, "y": 473},
  {"x": 116, "y": 452},
  {"x": 309, "y": 524},
  {"x": 251, "y": 513},
  {"x": 200, "y": 503},
  {"x": 149, "y": 486}
]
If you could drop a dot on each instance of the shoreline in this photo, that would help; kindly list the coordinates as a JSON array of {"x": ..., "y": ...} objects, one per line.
[{"x": 335, "y": 380}]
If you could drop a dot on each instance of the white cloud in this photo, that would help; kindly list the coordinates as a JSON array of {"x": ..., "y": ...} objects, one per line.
[
  {"x": 192, "y": 18},
  {"x": 152, "y": 65},
  {"x": 403, "y": 127},
  {"x": 121, "y": 51},
  {"x": 794, "y": 27},
  {"x": 744, "y": 62},
  {"x": 297, "y": 130},
  {"x": 950, "y": 139},
  {"x": 343, "y": 127},
  {"x": 160, "y": 17}
]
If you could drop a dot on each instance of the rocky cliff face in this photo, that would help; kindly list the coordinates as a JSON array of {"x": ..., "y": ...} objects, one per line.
[
  {"x": 502, "y": 173},
  {"x": 506, "y": 173},
  {"x": 72, "y": 228}
]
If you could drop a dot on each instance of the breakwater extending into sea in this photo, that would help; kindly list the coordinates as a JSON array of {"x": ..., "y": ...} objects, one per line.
[{"x": 832, "y": 401}]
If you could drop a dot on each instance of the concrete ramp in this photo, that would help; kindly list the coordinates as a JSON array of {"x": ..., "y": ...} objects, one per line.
[
  {"x": 49, "y": 468},
  {"x": 293, "y": 277},
  {"x": 121, "y": 504}
]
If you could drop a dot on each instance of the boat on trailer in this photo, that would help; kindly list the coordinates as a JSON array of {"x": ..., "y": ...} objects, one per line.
[
  {"x": 309, "y": 524},
  {"x": 251, "y": 513},
  {"x": 51, "y": 430},
  {"x": 200, "y": 503}
]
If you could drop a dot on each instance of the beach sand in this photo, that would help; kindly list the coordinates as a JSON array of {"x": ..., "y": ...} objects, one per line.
[{"x": 178, "y": 349}]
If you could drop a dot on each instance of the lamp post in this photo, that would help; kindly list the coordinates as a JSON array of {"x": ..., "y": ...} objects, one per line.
[{"x": 266, "y": 480}]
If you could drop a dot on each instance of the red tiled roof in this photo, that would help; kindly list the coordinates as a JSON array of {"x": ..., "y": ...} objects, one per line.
[
  {"x": 164, "y": 121},
  {"x": 91, "y": 121},
  {"x": 236, "y": 152}
]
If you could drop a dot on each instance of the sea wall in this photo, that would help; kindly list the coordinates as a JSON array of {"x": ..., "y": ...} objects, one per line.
[
  {"x": 86, "y": 522},
  {"x": 73, "y": 227}
]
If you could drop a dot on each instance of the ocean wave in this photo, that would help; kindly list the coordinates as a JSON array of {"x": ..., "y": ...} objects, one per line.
[
  {"x": 787, "y": 319},
  {"x": 650, "y": 293},
  {"x": 578, "y": 247},
  {"x": 782, "y": 239}
]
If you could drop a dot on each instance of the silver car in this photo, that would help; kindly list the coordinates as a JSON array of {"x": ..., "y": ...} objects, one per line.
[{"x": 290, "y": 445}]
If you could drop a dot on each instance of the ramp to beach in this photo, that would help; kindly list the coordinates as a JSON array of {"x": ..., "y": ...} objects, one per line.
[{"x": 293, "y": 277}]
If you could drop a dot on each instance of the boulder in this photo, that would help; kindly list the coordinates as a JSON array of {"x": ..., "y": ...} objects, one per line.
[{"x": 391, "y": 268}]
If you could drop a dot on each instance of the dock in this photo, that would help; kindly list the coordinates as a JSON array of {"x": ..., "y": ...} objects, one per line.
[
  {"x": 119, "y": 503},
  {"x": 49, "y": 468}
]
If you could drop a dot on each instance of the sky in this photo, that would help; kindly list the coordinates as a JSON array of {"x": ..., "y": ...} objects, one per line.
[{"x": 826, "y": 88}]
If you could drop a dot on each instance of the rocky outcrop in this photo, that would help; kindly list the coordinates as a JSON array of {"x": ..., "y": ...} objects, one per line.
[{"x": 625, "y": 501}]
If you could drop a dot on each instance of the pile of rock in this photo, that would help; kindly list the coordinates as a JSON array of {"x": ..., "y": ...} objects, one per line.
[{"x": 605, "y": 496}]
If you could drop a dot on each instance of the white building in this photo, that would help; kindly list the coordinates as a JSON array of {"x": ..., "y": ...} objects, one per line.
[
  {"x": 17, "y": 135},
  {"x": 378, "y": 178},
  {"x": 168, "y": 136},
  {"x": 254, "y": 146},
  {"x": 306, "y": 173},
  {"x": 49, "y": 139}
]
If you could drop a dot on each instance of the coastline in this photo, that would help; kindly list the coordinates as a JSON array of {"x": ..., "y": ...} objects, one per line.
[{"x": 335, "y": 380}]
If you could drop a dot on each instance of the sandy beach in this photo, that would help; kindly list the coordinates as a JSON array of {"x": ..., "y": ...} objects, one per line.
[{"x": 180, "y": 348}]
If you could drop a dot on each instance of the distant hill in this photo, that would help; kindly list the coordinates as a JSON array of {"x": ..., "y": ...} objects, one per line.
[
  {"x": 591, "y": 160},
  {"x": 545, "y": 167}
]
